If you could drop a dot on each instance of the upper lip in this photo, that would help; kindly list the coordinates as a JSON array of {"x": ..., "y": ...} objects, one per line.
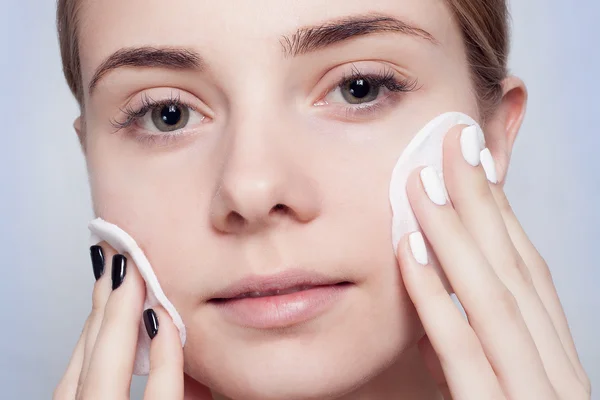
[{"x": 268, "y": 283}]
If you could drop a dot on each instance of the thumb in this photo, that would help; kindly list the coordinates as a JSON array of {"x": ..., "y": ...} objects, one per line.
[{"x": 432, "y": 362}]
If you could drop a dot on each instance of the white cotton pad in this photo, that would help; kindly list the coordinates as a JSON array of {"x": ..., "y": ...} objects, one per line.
[
  {"x": 123, "y": 243},
  {"x": 426, "y": 149}
]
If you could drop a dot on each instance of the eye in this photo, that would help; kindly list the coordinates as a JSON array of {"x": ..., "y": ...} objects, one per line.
[
  {"x": 155, "y": 117},
  {"x": 167, "y": 118},
  {"x": 359, "y": 90}
]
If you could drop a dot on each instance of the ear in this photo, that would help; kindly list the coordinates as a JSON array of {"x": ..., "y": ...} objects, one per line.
[
  {"x": 79, "y": 126},
  {"x": 502, "y": 127}
]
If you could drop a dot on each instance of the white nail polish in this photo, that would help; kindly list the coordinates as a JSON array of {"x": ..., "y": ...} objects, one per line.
[
  {"x": 469, "y": 144},
  {"x": 489, "y": 166},
  {"x": 433, "y": 186},
  {"x": 418, "y": 248}
]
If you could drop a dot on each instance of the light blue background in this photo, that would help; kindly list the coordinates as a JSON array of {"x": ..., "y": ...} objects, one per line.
[{"x": 46, "y": 276}]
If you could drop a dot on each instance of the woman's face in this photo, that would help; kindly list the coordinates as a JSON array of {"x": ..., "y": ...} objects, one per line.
[{"x": 278, "y": 159}]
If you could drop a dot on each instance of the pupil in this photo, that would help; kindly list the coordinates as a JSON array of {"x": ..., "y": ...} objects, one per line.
[
  {"x": 170, "y": 115},
  {"x": 360, "y": 88}
]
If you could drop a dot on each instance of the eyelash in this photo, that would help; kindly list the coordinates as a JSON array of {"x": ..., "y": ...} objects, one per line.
[
  {"x": 148, "y": 104},
  {"x": 386, "y": 78}
]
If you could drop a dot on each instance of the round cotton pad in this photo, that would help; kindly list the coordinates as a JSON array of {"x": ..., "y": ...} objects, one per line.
[
  {"x": 426, "y": 149},
  {"x": 123, "y": 243}
]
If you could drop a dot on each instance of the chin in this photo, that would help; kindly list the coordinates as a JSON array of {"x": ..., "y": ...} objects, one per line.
[
  {"x": 296, "y": 374},
  {"x": 323, "y": 359}
]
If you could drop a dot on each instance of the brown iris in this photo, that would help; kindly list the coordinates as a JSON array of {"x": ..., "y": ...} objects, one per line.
[
  {"x": 170, "y": 117},
  {"x": 360, "y": 90}
]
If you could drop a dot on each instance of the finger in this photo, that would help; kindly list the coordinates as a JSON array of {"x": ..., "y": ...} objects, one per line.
[
  {"x": 111, "y": 365},
  {"x": 470, "y": 193},
  {"x": 165, "y": 380},
  {"x": 102, "y": 288},
  {"x": 67, "y": 387},
  {"x": 467, "y": 372},
  {"x": 542, "y": 280},
  {"x": 490, "y": 307}
]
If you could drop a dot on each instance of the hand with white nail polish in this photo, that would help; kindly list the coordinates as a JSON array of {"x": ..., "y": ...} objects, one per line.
[{"x": 515, "y": 343}]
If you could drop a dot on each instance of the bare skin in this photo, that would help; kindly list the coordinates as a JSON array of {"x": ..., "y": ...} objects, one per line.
[{"x": 269, "y": 132}]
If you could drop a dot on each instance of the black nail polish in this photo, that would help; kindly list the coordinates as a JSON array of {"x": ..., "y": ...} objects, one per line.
[
  {"x": 97, "y": 256},
  {"x": 119, "y": 268},
  {"x": 151, "y": 322}
]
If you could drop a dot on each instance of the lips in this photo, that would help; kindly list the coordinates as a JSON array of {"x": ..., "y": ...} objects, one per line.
[
  {"x": 280, "y": 301},
  {"x": 277, "y": 292},
  {"x": 288, "y": 282}
]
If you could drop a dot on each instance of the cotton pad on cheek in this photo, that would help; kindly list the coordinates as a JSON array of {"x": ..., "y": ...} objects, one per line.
[
  {"x": 426, "y": 149},
  {"x": 123, "y": 243}
]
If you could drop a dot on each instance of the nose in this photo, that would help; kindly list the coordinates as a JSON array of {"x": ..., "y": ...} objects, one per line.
[{"x": 263, "y": 183}]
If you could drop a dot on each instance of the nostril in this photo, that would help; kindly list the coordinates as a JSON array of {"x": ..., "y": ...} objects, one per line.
[
  {"x": 234, "y": 219},
  {"x": 279, "y": 208}
]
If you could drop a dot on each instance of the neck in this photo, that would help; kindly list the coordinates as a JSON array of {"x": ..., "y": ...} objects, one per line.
[{"x": 406, "y": 379}]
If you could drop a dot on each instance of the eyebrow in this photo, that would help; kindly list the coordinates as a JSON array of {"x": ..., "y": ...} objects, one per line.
[
  {"x": 303, "y": 41},
  {"x": 313, "y": 38},
  {"x": 173, "y": 58}
]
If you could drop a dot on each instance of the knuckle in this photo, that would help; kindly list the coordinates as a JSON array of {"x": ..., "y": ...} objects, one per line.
[
  {"x": 432, "y": 294},
  {"x": 505, "y": 305},
  {"x": 115, "y": 311},
  {"x": 517, "y": 273},
  {"x": 97, "y": 311},
  {"x": 504, "y": 205},
  {"x": 482, "y": 190},
  {"x": 545, "y": 272},
  {"x": 523, "y": 273},
  {"x": 112, "y": 312},
  {"x": 99, "y": 297},
  {"x": 465, "y": 348},
  {"x": 470, "y": 347}
]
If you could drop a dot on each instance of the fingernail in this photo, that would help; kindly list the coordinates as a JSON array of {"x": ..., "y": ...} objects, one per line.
[
  {"x": 97, "y": 256},
  {"x": 418, "y": 248},
  {"x": 119, "y": 269},
  {"x": 433, "y": 186},
  {"x": 469, "y": 144},
  {"x": 151, "y": 322},
  {"x": 489, "y": 166}
]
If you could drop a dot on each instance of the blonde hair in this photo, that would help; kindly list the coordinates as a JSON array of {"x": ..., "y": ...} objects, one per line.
[{"x": 483, "y": 23}]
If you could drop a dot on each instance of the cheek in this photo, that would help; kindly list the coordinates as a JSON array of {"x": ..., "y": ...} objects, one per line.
[
  {"x": 145, "y": 191},
  {"x": 162, "y": 202}
]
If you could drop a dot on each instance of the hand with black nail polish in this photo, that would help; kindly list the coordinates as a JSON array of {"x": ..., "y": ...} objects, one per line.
[{"x": 108, "y": 343}]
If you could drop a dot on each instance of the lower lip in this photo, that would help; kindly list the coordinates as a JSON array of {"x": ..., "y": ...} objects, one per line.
[{"x": 283, "y": 310}]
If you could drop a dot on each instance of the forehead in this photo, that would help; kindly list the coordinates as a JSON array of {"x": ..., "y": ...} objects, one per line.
[{"x": 241, "y": 27}]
